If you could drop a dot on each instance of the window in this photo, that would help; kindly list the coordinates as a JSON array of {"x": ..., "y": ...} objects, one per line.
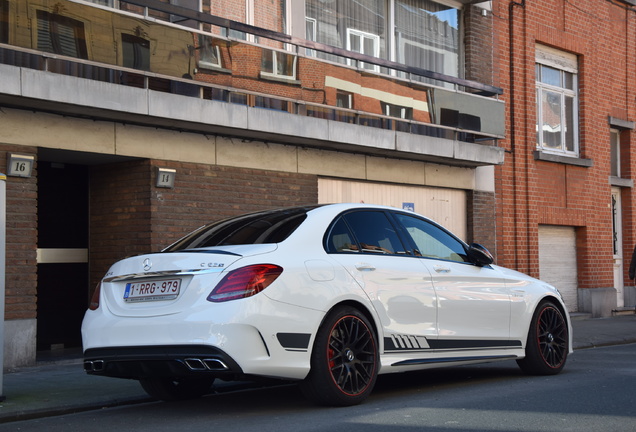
[
  {"x": 270, "y": 226},
  {"x": 61, "y": 35},
  {"x": 432, "y": 241},
  {"x": 427, "y": 36},
  {"x": 344, "y": 99},
  {"x": 209, "y": 53},
  {"x": 278, "y": 64},
  {"x": 366, "y": 232},
  {"x": 364, "y": 43},
  {"x": 188, "y": 4},
  {"x": 358, "y": 26},
  {"x": 109, "y": 3},
  {"x": 310, "y": 33},
  {"x": 397, "y": 111},
  {"x": 136, "y": 52},
  {"x": 615, "y": 153},
  {"x": 557, "y": 104},
  {"x": 421, "y": 33}
]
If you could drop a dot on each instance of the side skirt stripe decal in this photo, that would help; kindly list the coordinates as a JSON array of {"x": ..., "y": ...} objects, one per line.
[{"x": 409, "y": 343}]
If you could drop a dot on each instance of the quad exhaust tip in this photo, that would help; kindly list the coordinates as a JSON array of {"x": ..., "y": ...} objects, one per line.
[
  {"x": 94, "y": 365},
  {"x": 194, "y": 364},
  {"x": 212, "y": 364}
]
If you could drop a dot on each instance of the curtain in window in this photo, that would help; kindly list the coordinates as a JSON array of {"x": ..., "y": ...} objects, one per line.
[{"x": 427, "y": 35}]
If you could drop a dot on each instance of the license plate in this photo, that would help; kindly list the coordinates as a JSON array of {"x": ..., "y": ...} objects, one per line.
[{"x": 165, "y": 289}]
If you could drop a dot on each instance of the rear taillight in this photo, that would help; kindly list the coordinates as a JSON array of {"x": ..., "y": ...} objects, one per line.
[
  {"x": 245, "y": 282},
  {"x": 94, "y": 304}
]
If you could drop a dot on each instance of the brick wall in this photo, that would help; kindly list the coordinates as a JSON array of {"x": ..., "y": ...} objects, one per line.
[
  {"x": 130, "y": 216},
  {"x": 205, "y": 193},
  {"x": 478, "y": 48},
  {"x": 21, "y": 240},
  {"x": 532, "y": 192},
  {"x": 481, "y": 220},
  {"x": 120, "y": 214}
]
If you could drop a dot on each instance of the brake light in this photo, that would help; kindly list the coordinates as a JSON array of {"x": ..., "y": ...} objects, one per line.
[
  {"x": 94, "y": 304},
  {"x": 245, "y": 282}
]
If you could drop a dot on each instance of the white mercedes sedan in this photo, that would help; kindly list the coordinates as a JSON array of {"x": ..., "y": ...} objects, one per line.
[{"x": 329, "y": 296}]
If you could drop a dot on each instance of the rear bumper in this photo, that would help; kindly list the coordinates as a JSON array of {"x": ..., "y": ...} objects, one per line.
[{"x": 160, "y": 361}]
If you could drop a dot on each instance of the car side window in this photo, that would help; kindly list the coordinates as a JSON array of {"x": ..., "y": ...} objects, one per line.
[
  {"x": 374, "y": 233},
  {"x": 432, "y": 241},
  {"x": 340, "y": 238}
]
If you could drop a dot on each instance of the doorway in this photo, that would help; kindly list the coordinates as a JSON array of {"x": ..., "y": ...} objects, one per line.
[
  {"x": 62, "y": 254},
  {"x": 617, "y": 231}
]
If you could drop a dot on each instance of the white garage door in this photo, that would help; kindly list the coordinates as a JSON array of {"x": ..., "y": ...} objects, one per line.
[
  {"x": 447, "y": 207},
  {"x": 557, "y": 261}
]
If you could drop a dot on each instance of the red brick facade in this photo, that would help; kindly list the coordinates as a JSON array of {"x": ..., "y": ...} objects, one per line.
[{"x": 533, "y": 192}]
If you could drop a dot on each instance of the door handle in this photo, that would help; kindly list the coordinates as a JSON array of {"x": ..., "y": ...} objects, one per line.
[
  {"x": 441, "y": 269},
  {"x": 365, "y": 267}
]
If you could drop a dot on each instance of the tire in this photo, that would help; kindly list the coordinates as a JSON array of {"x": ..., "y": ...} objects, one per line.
[
  {"x": 173, "y": 389},
  {"x": 547, "y": 345},
  {"x": 344, "y": 360}
]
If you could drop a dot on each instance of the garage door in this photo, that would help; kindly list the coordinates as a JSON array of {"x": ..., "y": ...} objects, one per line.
[
  {"x": 557, "y": 261},
  {"x": 445, "y": 206}
]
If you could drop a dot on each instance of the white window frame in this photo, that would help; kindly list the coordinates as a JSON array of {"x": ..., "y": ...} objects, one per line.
[
  {"x": 615, "y": 152},
  {"x": 275, "y": 73},
  {"x": 351, "y": 33},
  {"x": 312, "y": 36},
  {"x": 564, "y": 63},
  {"x": 212, "y": 65}
]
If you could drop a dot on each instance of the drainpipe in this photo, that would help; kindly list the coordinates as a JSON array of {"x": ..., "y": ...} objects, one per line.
[{"x": 513, "y": 138}]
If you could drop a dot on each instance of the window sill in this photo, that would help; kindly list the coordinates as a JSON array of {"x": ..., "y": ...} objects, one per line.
[
  {"x": 568, "y": 160},
  {"x": 212, "y": 67},
  {"x": 621, "y": 182},
  {"x": 279, "y": 78}
]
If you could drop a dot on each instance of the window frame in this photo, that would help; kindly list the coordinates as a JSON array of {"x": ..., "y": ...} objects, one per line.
[
  {"x": 275, "y": 73},
  {"x": 615, "y": 152},
  {"x": 364, "y": 36},
  {"x": 136, "y": 45},
  {"x": 565, "y": 64},
  {"x": 357, "y": 245},
  {"x": 77, "y": 26},
  {"x": 409, "y": 245},
  {"x": 313, "y": 22},
  {"x": 438, "y": 228},
  {"x": 204, "y": 47}
]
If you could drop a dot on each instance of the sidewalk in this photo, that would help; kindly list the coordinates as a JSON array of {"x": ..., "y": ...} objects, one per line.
[{"x": 61, "y": 387}]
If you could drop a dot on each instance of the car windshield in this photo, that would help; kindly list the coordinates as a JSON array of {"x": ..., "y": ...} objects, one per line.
[{"x": 271, "y": 226}]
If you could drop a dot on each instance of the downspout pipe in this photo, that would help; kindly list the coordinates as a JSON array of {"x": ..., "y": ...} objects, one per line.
[{"x": 513, "y": 139}]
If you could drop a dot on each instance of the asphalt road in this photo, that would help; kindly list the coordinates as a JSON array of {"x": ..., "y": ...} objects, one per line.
[{"x": 595, "y": 393}]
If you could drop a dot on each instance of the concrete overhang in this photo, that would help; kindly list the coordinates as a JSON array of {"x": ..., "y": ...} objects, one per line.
[{"x": 66, "y": 95}]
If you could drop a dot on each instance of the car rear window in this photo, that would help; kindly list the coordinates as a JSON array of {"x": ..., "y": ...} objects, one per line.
[{"x": 271, "y": 226}]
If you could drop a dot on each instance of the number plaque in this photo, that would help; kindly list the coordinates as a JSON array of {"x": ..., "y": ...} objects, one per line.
[
  {"x": 165, "y": 177},
  {"x": 19, "y": 165}
]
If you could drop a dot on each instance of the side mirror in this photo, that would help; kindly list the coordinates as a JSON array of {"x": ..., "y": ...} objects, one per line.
[{"x": 480, "y": 255}]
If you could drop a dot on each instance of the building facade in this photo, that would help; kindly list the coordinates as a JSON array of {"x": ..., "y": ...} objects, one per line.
[
  {"x": 126, "y": 124},
  {"x": 565, "y": 195}
]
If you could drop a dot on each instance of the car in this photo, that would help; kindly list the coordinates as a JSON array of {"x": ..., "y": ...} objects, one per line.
[{"x": 329, "y": 296}]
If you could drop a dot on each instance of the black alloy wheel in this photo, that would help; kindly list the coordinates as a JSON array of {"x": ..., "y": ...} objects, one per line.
[
  {"x": 548, "y": 342},
  {"x": 344, "y": 363}
]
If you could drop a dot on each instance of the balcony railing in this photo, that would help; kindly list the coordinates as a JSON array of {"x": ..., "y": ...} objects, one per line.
[{"x": 469, "y": 111}]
